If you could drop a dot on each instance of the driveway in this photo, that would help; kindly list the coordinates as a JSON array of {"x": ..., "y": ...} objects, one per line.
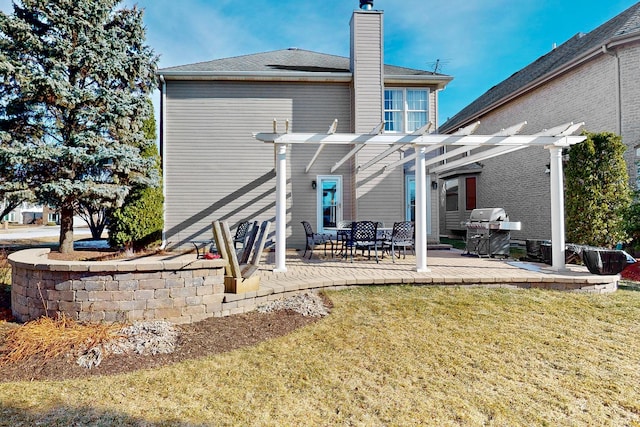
[{"x": 38, "y": 231}]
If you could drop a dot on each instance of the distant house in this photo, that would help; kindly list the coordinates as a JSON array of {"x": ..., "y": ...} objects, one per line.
[
  {"x": 592, "y": 77},
  {"x": 26, "y": 214},
  {"x": 215, "y": 169}
]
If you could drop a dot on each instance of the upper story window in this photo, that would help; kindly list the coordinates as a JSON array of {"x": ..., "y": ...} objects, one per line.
[{"x": 405, "y": 110}]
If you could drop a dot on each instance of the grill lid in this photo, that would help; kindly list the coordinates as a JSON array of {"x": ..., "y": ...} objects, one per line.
[{"x": 488, "y": 214}]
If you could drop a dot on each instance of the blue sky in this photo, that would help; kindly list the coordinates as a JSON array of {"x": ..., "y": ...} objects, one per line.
[{"x": 479, "y": 43}]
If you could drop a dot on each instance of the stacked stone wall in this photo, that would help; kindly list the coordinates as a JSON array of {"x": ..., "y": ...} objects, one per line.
[{"x": 178, "y": 289}]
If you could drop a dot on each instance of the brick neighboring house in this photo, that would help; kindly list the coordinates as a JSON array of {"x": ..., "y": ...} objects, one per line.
[
  {"x": 592, "y": 78},
  {"x": 215, "y": 169}
]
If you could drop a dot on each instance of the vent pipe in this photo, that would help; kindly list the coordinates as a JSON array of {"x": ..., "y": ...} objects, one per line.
[{"x": 366, "y": 4}]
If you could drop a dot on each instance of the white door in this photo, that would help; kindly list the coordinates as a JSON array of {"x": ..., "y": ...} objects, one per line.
[
  {"x": 410, "y": 200},
  {"x": 329, "y": 199}
]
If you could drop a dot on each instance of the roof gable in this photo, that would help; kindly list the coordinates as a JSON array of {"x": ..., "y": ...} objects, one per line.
[
  {"x": 287, "y": 61},
  {"x": 579, "y": 46}
]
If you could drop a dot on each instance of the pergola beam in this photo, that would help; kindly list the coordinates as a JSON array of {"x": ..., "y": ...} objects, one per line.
[
  {"x": 427, "y": 140},
  {"x": 332, "y": 129},
  {"x": 375, "y": 131},
  {"x": 393, "y": 148}
]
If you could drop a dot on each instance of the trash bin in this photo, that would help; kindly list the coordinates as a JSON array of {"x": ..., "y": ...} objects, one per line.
[
  {"x": 534, "y": 252},
  {"x": 546, "y": 252}
]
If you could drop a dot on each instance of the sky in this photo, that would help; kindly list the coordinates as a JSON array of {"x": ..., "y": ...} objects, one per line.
[{"x": 478, "y": 43}]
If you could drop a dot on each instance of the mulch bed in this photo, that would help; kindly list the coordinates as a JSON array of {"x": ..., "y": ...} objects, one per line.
[
  {"x": 631, "y": 272},
  {"x": 211, "y": 336}
]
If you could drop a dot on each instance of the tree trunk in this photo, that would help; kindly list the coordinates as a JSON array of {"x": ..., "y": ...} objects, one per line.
[{"x": 66, "y": 229}]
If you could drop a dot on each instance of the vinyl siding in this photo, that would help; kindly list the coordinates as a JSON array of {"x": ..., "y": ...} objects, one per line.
[
  {"x": 380, "y": 192},
  {"x": 367, "y": 68},
  {"x": 215, "y": 169}
]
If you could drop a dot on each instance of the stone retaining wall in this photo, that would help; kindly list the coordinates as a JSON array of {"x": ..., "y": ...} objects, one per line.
[{"x": 177, "y": 288}]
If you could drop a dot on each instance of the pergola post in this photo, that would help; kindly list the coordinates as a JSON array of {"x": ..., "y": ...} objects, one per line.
[
  {"x": 421, "y": 210},
  {"x": 557, "y": 210},
  {"x": 281, "y": 208}
]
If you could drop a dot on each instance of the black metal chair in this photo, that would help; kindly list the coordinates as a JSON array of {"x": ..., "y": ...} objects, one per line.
[
  {"x": 241, "y": 234},
  {"x": 402, "y": 236},
  {"x": 342, "y": 236},
  {"x": 363, "y": 236},
  {"x": 314, "y": 239}
]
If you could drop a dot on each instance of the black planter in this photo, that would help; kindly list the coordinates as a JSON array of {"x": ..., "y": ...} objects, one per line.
[{"x": 604, "y": 261}]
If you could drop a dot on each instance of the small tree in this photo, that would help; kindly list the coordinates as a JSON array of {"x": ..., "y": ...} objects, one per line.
[
  {"x": 598, "y": 192},
  {"x": 95, "y": 215},
  {"x": 139, "y": 222},
  {"x": 74, "y": 81},
  {"x": 632, "y": 222}
]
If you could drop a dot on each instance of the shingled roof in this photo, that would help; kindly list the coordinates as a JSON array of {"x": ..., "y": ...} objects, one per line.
[
  {"x": 292, "y": 61},
  {"x": 579, "y": 47}
]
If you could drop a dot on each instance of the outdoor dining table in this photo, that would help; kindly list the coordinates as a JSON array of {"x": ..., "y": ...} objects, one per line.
[{"x": 343, "y": 234}]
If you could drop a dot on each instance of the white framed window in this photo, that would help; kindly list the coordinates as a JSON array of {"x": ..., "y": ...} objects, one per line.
[
  {"x": 53, "y": 217},
  {"x": 405, "y": 110},
  {"x": 10, "y": 217}
]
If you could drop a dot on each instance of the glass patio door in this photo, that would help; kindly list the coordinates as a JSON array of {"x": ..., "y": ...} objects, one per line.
[
  {"x": 410, "y": 200},
  {"x": 329, "y": 199}
]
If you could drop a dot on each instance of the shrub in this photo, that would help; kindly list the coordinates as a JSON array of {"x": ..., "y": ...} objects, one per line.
[
  {"x": 138, "y": 223},
  {"x": 632, "y": 222},
  {"x": 598, "y": 192}
]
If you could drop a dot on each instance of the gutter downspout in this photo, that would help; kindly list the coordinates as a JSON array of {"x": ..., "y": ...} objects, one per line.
[
  {"x": 614, "y": 54},
  {"x": 163, "y": 100}
]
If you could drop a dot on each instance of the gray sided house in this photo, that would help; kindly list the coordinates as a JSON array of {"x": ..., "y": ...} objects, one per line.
[
  {"x": 592, "y": 78},
  {"x": 215, "y": 169}
]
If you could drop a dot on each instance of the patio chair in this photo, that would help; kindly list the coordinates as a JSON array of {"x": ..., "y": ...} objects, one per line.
[
  {"x": 363, "y": 236},
  {"x": 402, "y": 236},
  {"x": 314, "y": 239},
  {"x": 241, "y": 234},
  {"x": 343, "y": 231}
]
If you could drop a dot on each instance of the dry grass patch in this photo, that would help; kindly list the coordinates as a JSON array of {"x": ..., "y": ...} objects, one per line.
[
  {"x": 54, "y": 337},
  {"x": 388, "y": 356}
]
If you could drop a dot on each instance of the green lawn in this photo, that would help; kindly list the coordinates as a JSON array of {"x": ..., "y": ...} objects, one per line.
[{"x": 394, "y": 355}]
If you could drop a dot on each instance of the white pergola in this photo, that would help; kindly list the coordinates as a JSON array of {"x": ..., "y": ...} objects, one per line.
[{"x": 478, "y": 147}]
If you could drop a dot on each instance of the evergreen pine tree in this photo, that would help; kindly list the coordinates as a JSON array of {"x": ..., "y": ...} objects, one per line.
[
  {"x": 139, "y": 221},
  {"x": 74, "y": 81}
]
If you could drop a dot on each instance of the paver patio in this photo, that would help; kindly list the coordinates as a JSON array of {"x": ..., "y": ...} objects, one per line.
[{"x": 448, "y": 267}]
